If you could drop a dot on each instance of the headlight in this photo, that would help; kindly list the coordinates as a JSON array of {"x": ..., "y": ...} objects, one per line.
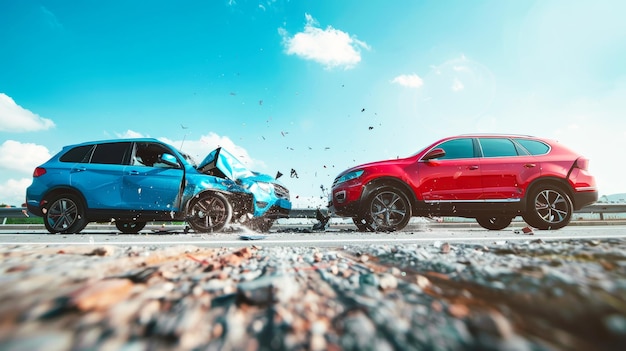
[
  {"x": 349, "y": 176},
  {"x": 266, "y": 187}
]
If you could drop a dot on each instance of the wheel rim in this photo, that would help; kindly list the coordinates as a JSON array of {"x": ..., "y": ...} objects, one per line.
[
  {"x": 208, "y": 213},
  {"x": 388, "y": 209},
  {"x": 62, "y": 214},
  {"x": 551, "y": 206}
]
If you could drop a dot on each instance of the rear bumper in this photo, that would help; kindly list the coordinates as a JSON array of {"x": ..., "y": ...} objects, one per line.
[{"x": 584, "y": 198}]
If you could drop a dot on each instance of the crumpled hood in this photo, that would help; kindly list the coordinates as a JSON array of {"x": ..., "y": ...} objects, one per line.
[{"x": 228, "y": 165}]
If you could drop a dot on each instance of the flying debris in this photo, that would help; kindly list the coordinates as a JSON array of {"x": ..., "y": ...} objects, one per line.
[
  {"x": 370, "y": 128},
  {"x": 362, "y": 110},
  {"x": 284, "y": 133},
  {"x": 260, "y": 102},
  {"x": 322, "y": 221},
  {"x": 233, "y": 93},
  {"x": 294, "y": 174},
  {"x": 182, "y": 126},
  {"x": 278, "y": 174}
]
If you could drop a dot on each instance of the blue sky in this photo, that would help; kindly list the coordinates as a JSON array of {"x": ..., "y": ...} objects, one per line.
[{"x": 314, "y": 86}]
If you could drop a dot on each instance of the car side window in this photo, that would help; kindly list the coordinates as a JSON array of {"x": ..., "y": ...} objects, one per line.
[
  {"x": 79, "y": 154},
  {"x": 457, "y": 148},
  {"x": 111, "y": 153},
  {"x": 149, "y": 155},
  {"x": 497, "y": 147},
  {"x": 534, "y": 147}
]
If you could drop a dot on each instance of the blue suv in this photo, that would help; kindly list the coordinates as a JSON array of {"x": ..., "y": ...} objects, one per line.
[{"x": 134, "y": 181}]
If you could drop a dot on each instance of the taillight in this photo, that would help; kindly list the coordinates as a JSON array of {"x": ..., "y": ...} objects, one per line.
[
  {"x": 38, "y": 172},
  {"x": 582, "y": 163}
]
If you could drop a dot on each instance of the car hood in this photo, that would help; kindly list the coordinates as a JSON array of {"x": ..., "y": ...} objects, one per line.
[
  {"x": 229, "y": 166},
  {"x": 373, "y": 165}
]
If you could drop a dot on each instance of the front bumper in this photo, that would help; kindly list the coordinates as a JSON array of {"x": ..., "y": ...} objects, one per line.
[{"x": 345, "y": 200}]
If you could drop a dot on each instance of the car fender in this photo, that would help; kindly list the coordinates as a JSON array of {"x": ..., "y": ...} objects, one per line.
[{"x": 380, "y": 182}]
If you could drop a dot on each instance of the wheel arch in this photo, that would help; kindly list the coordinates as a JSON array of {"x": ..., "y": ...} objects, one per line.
[
  {"x": 231, "y": 197},
  {"x": 65, "y": 190},
  {"x": 559, "y": 182},
  {"x": 388, "y": 181}
]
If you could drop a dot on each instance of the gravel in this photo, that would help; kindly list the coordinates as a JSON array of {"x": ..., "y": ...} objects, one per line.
[{"x": 533, "y": 295}]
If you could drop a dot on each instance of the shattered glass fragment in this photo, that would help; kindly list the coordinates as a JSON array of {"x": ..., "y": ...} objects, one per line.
[
  {"x": 278, "y": 175},
  {"x": 294, "y": 174}
]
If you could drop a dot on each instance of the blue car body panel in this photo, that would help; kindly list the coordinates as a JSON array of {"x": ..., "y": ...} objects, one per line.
[{"x": 131, "y": 187}]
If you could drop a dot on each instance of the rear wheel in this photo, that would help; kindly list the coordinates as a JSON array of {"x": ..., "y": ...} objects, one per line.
[
  {"x": 66, "y": 214},
  {"x": 209, "y": 212},
  {"x": 549, "y": 207},
  {"x": 494, "y": 223},
  {"x": 129, "y": 227},
  {"x": 388, "y": 209}
]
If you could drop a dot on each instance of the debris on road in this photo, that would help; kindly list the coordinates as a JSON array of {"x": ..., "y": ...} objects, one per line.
[{"x": 534, "y": 295}]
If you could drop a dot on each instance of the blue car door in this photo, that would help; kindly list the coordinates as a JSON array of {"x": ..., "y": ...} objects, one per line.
[
  {"x": 100, "y": 179},
  {"x": 148, "y": 184}
]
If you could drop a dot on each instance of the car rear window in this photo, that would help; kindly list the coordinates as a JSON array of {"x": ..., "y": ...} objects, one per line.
[
  {"x": 497, "y": 147},
  {"x": 111, "y": 153},
  {"x": 534, "y": 147},
  {"x": 79, "y": 154}
]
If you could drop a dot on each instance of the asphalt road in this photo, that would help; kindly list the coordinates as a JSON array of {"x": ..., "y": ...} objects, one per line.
[{"x": 334, "y": 236}]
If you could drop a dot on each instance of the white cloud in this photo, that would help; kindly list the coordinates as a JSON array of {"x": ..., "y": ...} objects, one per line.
[
  {"x": 13, "y": 191},
  {"x": 14, "y": 118},
  {"x": 130, "y": 134},
  {"x": 330, "y": 47},
  {"x": 408, "y": 80},
  {"x": 22, "y": 157},
  {"x": 199, "y": 149}
]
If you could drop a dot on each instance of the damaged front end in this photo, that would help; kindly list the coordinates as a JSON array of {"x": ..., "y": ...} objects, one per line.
[{"x": 253, "y": 195}]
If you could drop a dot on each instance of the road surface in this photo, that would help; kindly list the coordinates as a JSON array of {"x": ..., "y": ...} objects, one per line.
[{"x": 334, "y": 236}]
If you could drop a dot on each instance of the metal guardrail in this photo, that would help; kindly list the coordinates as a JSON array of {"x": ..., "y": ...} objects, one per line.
[{"x": 599, "y": 208}]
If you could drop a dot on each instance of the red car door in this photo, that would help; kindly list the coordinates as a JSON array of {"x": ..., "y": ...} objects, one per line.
[
  {"x": 506, "y": 170},
  {"x": 455, "y": 177}
]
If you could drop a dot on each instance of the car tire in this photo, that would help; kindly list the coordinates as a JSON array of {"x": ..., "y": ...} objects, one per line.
[
  {"x": 361, "y": 224},
  {"x": 260, "y": 224},
  {"x": 209, "y": 212},
  {"x": 129, "y": 227},
  {"x": 549, "y": 207},
  {"x": 387, "y": 209},
  {"x": 494, "y": 223},
  {"x": 65, "y": 214}
]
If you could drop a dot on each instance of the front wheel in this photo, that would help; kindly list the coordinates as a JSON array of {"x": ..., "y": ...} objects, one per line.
[
  {"x": 129, "y": 227},
  {"x": 209, "y": 212},
  {"x": 549, "y": 207},
  {"x": 494, "y": 223},
  {"x": 66, "y": 214},
  {"x": 387, "y": 209}
]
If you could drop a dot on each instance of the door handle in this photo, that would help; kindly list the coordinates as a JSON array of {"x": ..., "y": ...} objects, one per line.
[
  {"x": 473, "y": 167},
  {"x": 79, "y": 169},
  {"x": 529, "y": 165},
  {"x": 133, "y": 172}
]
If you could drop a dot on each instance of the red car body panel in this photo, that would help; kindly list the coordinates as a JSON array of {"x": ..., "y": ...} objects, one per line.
[{"x": 473, "y": 184}]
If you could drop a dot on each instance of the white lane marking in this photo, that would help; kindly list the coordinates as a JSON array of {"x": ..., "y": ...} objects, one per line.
[{"x": 342, "y": 241}]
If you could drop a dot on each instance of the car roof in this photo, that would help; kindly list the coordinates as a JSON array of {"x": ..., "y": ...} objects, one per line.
[
  {"x": 499, "y": 135},
  {"x": 122, "y": 140}
]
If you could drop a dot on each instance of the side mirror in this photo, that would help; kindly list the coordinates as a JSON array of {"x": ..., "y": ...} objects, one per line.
[
  {"x": 169, "y": 160},
  {"x": 433, "y": 154}
]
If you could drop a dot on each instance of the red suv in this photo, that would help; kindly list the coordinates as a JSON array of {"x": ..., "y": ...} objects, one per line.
[{"x": 491, "y": 178}]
